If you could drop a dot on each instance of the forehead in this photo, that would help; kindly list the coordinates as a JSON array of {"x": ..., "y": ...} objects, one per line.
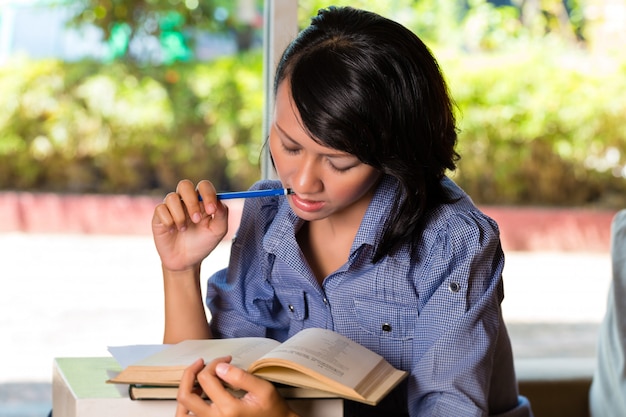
[
  {"x": 283, "y": 102},
  {"x": 287, "y": 121},
  {"x": 286, "y": 114}
]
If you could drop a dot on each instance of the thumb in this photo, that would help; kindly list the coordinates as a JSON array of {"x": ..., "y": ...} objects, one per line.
[
  {"x": 221, "y": 211},
  {"x": 220, "y": 217},
  {"x": 236, "y": 377},
  {"x": 261, "y": 397},
  {"x": 217, "y": 217}
]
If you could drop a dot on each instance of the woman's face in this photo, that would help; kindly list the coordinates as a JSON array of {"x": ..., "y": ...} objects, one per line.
[{"x": 326, "y": 182}]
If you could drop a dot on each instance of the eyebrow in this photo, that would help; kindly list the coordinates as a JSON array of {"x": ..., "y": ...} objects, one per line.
[
  {"x": 339, "y": 154},
  {"x": 285, "y": 134}
]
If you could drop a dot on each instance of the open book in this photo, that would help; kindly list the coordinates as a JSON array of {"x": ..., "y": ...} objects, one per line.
[
  {"x": 158, "y": 392},
  {"x": 314, "y": 358}
]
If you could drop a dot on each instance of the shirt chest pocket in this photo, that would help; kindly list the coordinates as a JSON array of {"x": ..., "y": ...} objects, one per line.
[
  {"x": 385, "y": 320},
  {"x": 293, "y": 302}
]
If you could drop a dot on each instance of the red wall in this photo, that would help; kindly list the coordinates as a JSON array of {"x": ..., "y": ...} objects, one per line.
[{"x": 522, "y": 229}]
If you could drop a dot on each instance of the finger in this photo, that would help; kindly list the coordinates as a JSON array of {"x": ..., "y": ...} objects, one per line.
[
  {"x": 181, "y": 410},
  {"x": 187, "y": 396},
  {"x": 189, "y": 196},
  {"x": 260, "y": 395},
  {"x": 213, "y": 207},
  {"x": 177, "y": 211},
  {"x": 240, "y": 379},
  {"x": 162, "y": 217},
  {"x": 188, "y": 380},
  {"x": 206, "y": 191},
  {"x": 221, "y": 212},
  {"x": 213, "y": 386}
]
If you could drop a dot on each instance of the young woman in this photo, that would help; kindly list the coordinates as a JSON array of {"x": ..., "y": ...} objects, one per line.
[{"x": 376, "y": 243}]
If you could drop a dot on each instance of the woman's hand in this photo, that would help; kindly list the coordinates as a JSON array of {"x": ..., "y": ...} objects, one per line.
[
  {"x": 186, "y": 230},
  {"x": 261, "y": 398}
]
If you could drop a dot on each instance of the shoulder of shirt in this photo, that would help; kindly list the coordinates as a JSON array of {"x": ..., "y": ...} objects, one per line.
[
  {"x": 460, "y": 213},
  {"x": 453, "y": 221},
  {"x": 262, "y": 204},
  {"x": 266, "y": 185},
  {"x": 265, "y": 208}
]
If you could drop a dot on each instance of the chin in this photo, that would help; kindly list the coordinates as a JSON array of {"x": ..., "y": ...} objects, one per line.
[{"x": 310, "y": 215}]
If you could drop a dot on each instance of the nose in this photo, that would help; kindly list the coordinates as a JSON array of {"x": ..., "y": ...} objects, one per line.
[{"x": 307, "y": 179}]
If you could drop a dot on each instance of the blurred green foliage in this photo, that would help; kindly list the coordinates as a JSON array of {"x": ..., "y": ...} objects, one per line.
[
  {"x": 84, "y": 127},
  {"x": 542, "y": 119},
  {"x": 172, "y": 24},
  {"x": 546, "y": 126}
]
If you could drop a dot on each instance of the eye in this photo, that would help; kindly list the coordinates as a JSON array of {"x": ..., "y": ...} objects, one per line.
[
  {"x": 341, "y": 167},
  {"x": 290, "y": 149}
]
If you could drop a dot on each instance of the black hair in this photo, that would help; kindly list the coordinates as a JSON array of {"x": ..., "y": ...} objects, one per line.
[{"x": 366, "y": 85}]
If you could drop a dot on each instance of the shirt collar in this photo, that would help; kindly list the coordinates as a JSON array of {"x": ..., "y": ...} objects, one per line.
[
  {"x": 280, "y": 237},
  {"x": 386, "y": 198}
]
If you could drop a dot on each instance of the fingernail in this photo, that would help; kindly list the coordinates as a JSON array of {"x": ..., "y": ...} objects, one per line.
[
  {"x": 221, "y": 369},
  {"x": 196, "y": 217}
]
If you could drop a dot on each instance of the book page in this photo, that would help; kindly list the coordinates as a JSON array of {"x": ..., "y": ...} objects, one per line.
[
  {"x": 243, "y": 350},
  {"x": 130, "y": 354},
  {"x": 327, "y": 353}
]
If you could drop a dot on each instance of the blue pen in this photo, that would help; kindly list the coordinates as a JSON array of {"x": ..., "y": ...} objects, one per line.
[{"x": 252, "y": 194}]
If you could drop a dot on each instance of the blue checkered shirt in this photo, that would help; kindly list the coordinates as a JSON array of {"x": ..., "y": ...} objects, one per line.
[{"x": 433, "y": 311}]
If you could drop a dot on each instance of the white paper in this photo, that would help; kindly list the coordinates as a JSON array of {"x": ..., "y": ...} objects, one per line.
[{"x": 128, "y": 355}]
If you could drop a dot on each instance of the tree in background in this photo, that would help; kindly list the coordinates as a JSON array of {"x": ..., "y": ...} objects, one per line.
[
  {"x": 447, "y": 22},
  {"x": 165, "y": 31},
  {"x": 539, "y": 98}
]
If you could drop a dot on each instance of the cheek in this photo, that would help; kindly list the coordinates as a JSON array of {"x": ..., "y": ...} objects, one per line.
[{"x": 350, "y": 191}]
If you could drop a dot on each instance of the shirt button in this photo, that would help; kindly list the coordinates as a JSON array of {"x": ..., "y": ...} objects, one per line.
[
  {"x": 325, "y": 301},
  {"x": 454, "y": 287},
  {"x": 291, "y": 308},
  {"x": 386, "y": 327}
]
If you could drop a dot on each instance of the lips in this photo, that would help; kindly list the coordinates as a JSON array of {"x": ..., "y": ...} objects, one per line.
[{"x": 306, "y": 205}]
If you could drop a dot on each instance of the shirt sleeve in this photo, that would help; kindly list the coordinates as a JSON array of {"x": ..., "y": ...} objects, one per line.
[
  {"x": 607, "y": 389},
  {"x": 461, "y": 348},
  {"x": 240, "y": 298}
]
